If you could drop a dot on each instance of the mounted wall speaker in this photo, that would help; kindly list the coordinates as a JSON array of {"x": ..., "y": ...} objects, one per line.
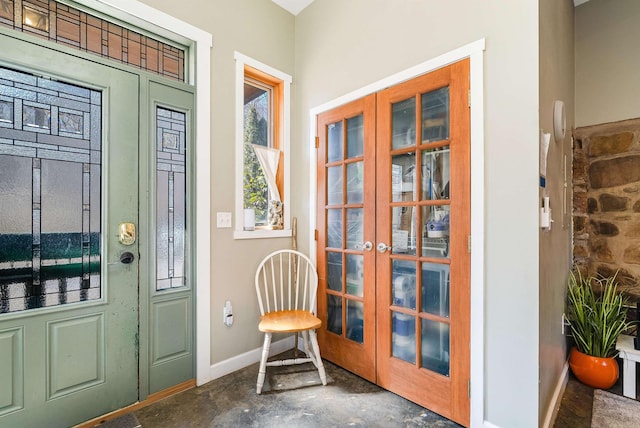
[{"x": 559, "y": 121}]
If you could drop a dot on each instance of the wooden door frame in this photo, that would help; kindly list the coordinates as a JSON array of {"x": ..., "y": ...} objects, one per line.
[
  {"x": 198, "y": 74},
  {"x": 475, "y": 52}
]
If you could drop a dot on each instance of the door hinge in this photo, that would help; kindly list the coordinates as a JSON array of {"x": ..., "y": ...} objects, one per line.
[
  {"x": 469, "y": 97},
  {"x": 315, "y": 234},
  {"x": 469, "y": 243},
  {"x": 317, "y": 142},
  {"x": 469, "y": 388}
]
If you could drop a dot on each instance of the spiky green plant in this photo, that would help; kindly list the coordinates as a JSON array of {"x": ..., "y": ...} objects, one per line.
[{"x": 596, "y": 313}]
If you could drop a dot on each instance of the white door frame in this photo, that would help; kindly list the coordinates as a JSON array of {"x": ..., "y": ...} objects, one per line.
[
  {"x": 474, "y": 51},
  {"x": 199, "y": 74}
]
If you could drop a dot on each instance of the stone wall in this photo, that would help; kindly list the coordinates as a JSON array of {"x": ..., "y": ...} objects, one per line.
[{"x": 606, "y": 201}]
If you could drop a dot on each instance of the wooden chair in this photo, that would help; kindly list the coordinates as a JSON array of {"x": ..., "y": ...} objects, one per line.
[{"x": 286, "y": 285}]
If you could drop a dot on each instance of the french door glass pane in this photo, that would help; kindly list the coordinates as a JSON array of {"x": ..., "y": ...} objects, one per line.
[
  {"x": 334, "y": 314},
  {"x": 435, "y": 289},
  {"x": 403, "y": 230},
  {"x": 435, "y": 232},
  {"x": 435, "y": 173},
  {"x": 355, "y": 136},
  {"x": 403, "y": 124},
  {"x": 355, "y": 183},
  {"x": 50, "y": 197},
  {"x": 334, "y": 228},
  {"x": 355, "y": 226},
  {"x": 435, "y": 346},
  {"x": 404, "y": 283},
  {"x": 171, "y": 204},
  {"x": 334, "y": 271},
  {"x": 435, "y": 115},
  {"x": 355, "y": 274},
  {"x": 334, "y": 185},
  {"x": 403, "y": 336},
  {"x": 355, "y": 320},
  {"x": 403, "y": 176},
  {"x": 335, "y": 148}
]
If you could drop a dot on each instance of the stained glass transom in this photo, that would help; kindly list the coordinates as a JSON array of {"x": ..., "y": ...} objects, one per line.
[
  {"x": 170, "y": 198},
  {"x": 50, "y": 187},
  {"x": 68, "y": 26}
]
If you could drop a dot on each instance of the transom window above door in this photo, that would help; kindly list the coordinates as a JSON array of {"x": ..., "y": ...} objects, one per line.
[{"x": 88, "y": 32}]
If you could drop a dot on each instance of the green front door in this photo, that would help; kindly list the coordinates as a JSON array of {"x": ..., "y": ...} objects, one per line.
[{"x": 69, "y": 308}]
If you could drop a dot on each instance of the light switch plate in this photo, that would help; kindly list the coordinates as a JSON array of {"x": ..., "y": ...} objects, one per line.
[{"x": 223, "y": 220}]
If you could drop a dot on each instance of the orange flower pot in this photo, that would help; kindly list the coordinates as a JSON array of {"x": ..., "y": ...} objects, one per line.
[{"x": 596, "y": 372}]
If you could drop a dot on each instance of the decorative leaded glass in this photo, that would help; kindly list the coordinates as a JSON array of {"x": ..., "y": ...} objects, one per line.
[
  {"x": 74, "y": 28},
  {"x": 50, "y": 187},
  {"x": 170, "y": 198}
]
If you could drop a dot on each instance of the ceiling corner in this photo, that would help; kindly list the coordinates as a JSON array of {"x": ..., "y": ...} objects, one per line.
[{"x": 293, "y": 6}]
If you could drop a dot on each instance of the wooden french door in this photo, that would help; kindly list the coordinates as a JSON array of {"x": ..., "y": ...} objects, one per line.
[
  {"x": 346, "y": 201},
  {"x": 417, "y": 268}
]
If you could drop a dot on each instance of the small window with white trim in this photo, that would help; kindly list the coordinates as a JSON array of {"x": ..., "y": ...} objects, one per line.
[{"x": 262, "y": 150}]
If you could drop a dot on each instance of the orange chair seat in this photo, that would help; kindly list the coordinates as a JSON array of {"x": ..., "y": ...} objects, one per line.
[{"x": 288, "y": 321}]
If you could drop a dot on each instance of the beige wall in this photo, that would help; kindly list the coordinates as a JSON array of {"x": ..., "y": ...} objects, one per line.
[
  {"x": 556, "y": 83},
  {"x": 341, "y": 46},
  {"x": 607, "y": 61},
  {"x": 261, "y": 30}
]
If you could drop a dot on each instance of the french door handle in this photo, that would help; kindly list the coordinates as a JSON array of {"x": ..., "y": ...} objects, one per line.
[
  {"x": 367, "y": 246},
  {"x": 383, "y": 248}
]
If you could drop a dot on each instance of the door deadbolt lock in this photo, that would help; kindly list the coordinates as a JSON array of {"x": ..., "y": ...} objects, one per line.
[
  {"x": 127, "y": 233},
  {"x": 127, "y": 258}
]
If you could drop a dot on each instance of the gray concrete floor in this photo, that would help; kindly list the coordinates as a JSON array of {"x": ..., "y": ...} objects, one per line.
[{"x": 292, "y": 397}]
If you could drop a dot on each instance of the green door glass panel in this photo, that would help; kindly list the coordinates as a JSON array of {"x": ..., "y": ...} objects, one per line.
[
  {"x": 170, "y": 358},
  {"x": 69, "y": 173},
  {"x": 170, "y": 198},
  {"x": 50, "y": 200}
]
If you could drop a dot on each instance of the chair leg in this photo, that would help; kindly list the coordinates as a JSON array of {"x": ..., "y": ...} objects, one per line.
[
  {"x": 305, "y": 340},
  {"x": 316, "y": 350},
  {"x": 263, "y": 362}
]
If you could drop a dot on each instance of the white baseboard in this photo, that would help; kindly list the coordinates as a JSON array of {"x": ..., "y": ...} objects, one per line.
[
  {"x": 554, "y": 405},
  {"x": 243, "y": 360},
  {"x": 489, "y": 425}
]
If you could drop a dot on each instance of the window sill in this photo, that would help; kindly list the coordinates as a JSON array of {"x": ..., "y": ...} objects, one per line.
[{"x": 259, "y": 234}]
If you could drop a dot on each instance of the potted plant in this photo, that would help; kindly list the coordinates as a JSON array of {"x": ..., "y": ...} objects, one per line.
[{"x": 597, "y": 316}]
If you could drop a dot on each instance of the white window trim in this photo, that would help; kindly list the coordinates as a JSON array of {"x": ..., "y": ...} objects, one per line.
[{"x": 239, "y": 232}]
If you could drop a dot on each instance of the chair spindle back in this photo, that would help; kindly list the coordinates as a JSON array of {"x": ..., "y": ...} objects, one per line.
[{"x": 286, "y": 280}]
